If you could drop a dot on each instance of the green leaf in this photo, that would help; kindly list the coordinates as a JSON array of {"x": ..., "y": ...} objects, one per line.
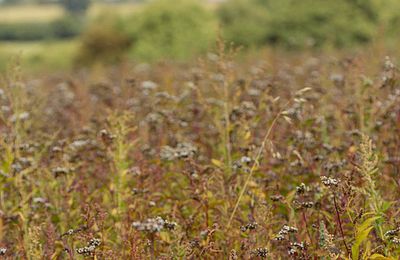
[
  {"x": 217, "y": 163},
  {"x": 362, "y": 232},
  {"x": 379, "y": 257},
  {"x": 366, "y": 224}
]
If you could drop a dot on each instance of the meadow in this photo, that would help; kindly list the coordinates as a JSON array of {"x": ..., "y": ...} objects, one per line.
[
  {"x": 148, "y": 137},
  {"x": 280, "y": 157}
]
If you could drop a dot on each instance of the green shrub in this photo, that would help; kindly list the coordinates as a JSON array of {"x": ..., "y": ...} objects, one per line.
[
  {"x": 25, "y": 31},
  {"x": 67, "y": 26},
  {"x": 244, "y": 22},
  {"x": 298, "y": 24},
  {"x": 180, "y": 30},
  {"x": 76, "y": 6},
  {"x": 104, "y": 40},
  {"x": 317, "y": 23}
]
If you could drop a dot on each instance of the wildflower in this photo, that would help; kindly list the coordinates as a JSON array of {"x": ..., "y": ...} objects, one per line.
[
  {"x": 182, "y": 151},
  {"x": 391, "y": 233},
  {"x": 249, "y": 226},
  {"x": 58, "y": 171},
  {"x": 148, "y": 85},
  {"x": 95, "y": 242},
  {"x": 40, "y": 201},
  {"x": 292, "y": 251},
  {"x": 276, "y": 197},
  {"x": 71, "y": 231},
  {"x": 136, "y": 191},
  {"x": 79, "y": 144},
  {"x": 388, "y": 64},
  {"x": 170, "y": 225},
  {"x": 90, "y": 248},
  {"x": 285, "y": 230},
  {"x": 395, "y": 240},
  {"x": 261, "y": 252},
  {"x": 153, "y": 225},
  {"x": 318, "y": 158},
  {"x": 233, "y": 255},
  {"x": 245, "y": 160},
  {"x": 134, "y": 171},
  {"x": 301, "y": 188},
  {"x": 338, "y": 80},
  {"x": 86, "y": 251},
  {"x": 301, "y": 246},
  {"x": 23, "y": 117},
  {"x": 194, "y": 243},
  {"x": 3, "y": 251},
  {"x": 106, "y": 136},
  {"x": 56, "y": 149},
  {"x": 329, "y": 182},
  {"x": 307, "y": 204}
]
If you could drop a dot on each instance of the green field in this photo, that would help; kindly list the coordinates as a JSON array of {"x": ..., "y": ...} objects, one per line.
[
  {"x": 39, "y": 56},
  {"x": 53, "y": 55},
  {"x": 49, "y": 12}
]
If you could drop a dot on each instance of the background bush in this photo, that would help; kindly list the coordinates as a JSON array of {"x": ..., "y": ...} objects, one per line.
[
  {"x": 25, "y": 31},
  {"x": 244, "y": 22},
  {"x": 303, "y": 23},
  {"x": 164, "y": 30},
  {"x": 64, "y": 27},
  {"x": 67, "y": 26},
  {"x": 105, "y": 39}
]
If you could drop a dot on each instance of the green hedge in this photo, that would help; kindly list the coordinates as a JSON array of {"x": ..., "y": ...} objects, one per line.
[
  {"x": 65, "y": 27},
  {"x": 298, "y": 24},
  {"x": 25, "y": 31}
]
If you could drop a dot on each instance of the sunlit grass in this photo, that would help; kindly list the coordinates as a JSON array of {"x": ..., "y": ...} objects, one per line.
[
  {"x": 26, "y": 13},
  {"x": 50, "y": 12},
  {"x": 36, "y": 56}
]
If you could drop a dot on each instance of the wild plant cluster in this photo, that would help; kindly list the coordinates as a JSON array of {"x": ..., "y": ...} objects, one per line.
[{"x": 274, "y": 158}]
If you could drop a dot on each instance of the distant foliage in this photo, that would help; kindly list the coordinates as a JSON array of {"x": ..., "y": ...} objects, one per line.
[
  {"x": 76, "y": 6},
  {"x": 104, "y": 41},
  {"x": 180, "y": 30},
  {"x": 244, "y": 22},
  {"x": 25, "y": 31},
  {"x": 64, "y": 27},
  {"x": 67, "y": 26},
  {"x": 306, "y": 23}
]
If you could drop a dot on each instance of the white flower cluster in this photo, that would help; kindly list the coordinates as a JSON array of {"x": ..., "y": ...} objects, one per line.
[
  {"x": 153, "y": 225},
  {"x": 261, "y": 252},
  {"x": 284, "y": 231},
  {"x": 90, "y": 248},
  {"x": 3, "y": 251},
  {"x": 182, "y": 151},
  {"x": 329, "y": 182}
]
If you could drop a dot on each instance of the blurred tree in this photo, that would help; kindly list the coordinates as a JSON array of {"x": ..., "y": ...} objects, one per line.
[{"x": 76, "y": 6}]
